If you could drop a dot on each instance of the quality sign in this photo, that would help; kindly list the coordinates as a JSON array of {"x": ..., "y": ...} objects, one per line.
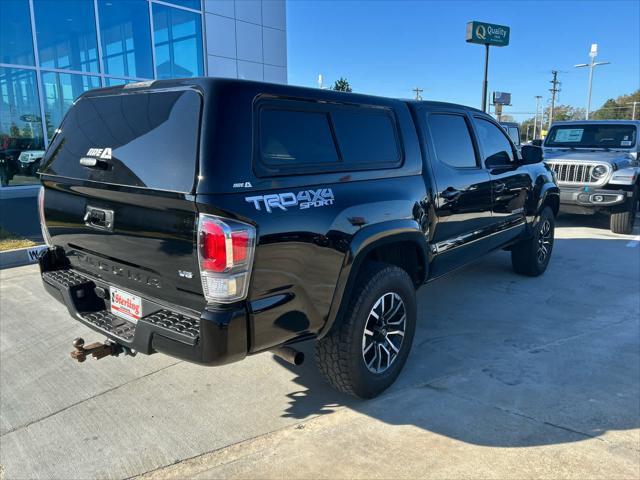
[{"x": 488, "y": 34}]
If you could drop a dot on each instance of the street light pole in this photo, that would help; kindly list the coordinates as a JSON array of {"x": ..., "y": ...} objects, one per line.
[
  {"x": 592, "y": 64},
  {"x": 535, "y": 119}
]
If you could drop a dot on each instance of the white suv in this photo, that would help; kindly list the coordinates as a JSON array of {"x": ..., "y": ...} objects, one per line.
[{"x": 30, "y": 161}]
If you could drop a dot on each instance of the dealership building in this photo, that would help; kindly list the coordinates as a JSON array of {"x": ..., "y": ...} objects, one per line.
[{"x": 51, "y": 51}]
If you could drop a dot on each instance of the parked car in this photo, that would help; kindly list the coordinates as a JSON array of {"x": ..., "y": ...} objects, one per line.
[
  {"x": 513, "y": 129},
  {"x": 211, "y": 219},
  {"x": 10, "y": 150},
  {"x": 30, "y": 161},
  {"x": 597, "y": 168}
]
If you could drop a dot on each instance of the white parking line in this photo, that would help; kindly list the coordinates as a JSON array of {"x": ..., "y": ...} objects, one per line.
[{"x": 634, "y": 241}]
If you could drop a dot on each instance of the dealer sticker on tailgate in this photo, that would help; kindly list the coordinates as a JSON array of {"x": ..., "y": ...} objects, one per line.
[{"x": 125, "y": 305}]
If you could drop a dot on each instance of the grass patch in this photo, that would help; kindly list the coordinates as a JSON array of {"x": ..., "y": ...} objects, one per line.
[{"x": 9, "y": 241}]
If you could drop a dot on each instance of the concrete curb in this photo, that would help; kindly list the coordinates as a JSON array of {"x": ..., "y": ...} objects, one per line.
[{"x": 20, "y": 256}]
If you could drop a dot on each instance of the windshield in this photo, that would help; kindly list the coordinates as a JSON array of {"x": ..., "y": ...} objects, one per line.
[{"x": 592, "y": 136}]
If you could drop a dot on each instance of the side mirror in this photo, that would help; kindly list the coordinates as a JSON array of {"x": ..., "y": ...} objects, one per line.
[
  {"x": 499, "y": 159},
  {"x": 532, "y": 154},
  {"x": 536, "y": 142}
]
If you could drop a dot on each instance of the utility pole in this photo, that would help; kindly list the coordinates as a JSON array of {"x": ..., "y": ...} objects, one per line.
[
  {"x": 528, "y": 127},
  {"x": 535, "y": 119},
  {"x": 418, "y": 92},
  {"x": 633, "y": 111},
  {"x": 554, "y": 90},
  {"x": 592, "y": 64}
]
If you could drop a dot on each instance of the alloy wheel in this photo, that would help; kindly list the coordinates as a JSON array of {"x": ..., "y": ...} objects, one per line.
[
  {"x": 544, "y": 241},
  {"x": 384, "y": 332}
]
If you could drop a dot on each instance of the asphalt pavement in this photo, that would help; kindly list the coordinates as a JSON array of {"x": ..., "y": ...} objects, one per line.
[{"x": 509, "y": 377}]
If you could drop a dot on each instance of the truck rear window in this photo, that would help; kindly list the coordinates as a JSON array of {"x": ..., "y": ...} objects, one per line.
[
  {"x": 295, "y": 137},
  {"x": 151, "y": 139}
]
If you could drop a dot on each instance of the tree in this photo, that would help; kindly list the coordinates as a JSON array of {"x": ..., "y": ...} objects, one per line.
[
  {"x": 567, "y": 112},
  {"x": 341, "y": 85},
  {"x": 14, "y": 131},
  {"x": 620, "y": 108},
  {"x": 562, "y": 112}
]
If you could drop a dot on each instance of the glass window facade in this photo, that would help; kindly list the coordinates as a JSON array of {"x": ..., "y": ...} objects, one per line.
[
  {"x": 195, "y": 4},
  {"x": 51, "y": 51},
  {"x": 178, "y": 41},
  {"x": 16, "y": 44},
  {"x": 126, "y": 38},
  {"x": 66, "y": 35},
  {"x": 20, "y": 126}
]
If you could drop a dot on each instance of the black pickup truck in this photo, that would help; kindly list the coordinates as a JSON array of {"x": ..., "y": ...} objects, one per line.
[{"x": 212, "y": 219}]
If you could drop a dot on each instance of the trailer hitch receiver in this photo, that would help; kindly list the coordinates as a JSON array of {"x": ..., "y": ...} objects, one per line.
[{"x": 97, "y": 350}]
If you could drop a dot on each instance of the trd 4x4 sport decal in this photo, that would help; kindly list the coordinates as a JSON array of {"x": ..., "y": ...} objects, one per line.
[{"x": 304, "y": 199}]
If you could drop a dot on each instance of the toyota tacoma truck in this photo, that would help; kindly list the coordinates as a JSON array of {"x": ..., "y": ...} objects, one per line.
[
  {"x": 211, "y": 219},
  {"x": 597, "y": 168}
]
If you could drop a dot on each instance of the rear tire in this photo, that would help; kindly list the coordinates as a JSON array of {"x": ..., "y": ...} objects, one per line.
[
  {"x": 622, "y": 222},
  {"x": 531, "y": 257},
  {"x": 364, "y": 354}
]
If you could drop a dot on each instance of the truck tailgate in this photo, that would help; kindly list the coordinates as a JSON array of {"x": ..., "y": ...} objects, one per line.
[{"x": 118, "y": 179}]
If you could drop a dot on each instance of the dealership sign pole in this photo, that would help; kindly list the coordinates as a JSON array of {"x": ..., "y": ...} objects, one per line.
[{"x": 487, "y": 34}]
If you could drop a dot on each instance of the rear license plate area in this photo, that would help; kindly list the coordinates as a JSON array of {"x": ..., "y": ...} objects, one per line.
[{"x": 125, "y": 305}]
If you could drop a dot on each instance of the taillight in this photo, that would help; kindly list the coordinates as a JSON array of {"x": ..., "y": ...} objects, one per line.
[
  {"x": 43, "y": 225},
  {"x": 225, "y": 251}
]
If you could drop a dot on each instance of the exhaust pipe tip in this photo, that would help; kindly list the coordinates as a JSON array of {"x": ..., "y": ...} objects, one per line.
[{"x": 289, "y": 355}]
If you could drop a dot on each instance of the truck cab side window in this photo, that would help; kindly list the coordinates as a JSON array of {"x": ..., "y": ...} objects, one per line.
[
  {"x": 496, "y": 147},
  {"x": 452, "y": 141},
  {"x": 290, "y": 139}
]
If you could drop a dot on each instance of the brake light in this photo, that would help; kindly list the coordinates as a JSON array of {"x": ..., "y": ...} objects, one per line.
[
  {"x": 240, "y": 241},
  {"x": 213, "y": 247},
  {"x": 43, "y": 224},
  {"x": 225, "y": 251}
]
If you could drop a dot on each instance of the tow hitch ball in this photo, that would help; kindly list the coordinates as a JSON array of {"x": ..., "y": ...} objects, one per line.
[{"x": 97, "y": 350}]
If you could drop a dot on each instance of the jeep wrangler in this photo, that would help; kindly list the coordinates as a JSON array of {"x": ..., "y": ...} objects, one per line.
[
  {"x": 211, "y": 219},
  {"x": 597, "y": 168}
]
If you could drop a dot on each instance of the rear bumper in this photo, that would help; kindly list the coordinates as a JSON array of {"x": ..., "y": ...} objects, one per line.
[
  {"x": 217, "y": 337},
  {"x": 591, "y": 198}
]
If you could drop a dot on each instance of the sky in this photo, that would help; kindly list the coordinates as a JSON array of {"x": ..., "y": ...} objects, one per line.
[{"x": 389, "y": 47}]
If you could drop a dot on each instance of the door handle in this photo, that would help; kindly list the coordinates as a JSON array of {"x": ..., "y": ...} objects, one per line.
[
  {"x": 91, "y": 162},
  {"x": 99, "y": 218},
  {"x": 499, "y": 187},
  {"x": 450, "y": 193}
]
